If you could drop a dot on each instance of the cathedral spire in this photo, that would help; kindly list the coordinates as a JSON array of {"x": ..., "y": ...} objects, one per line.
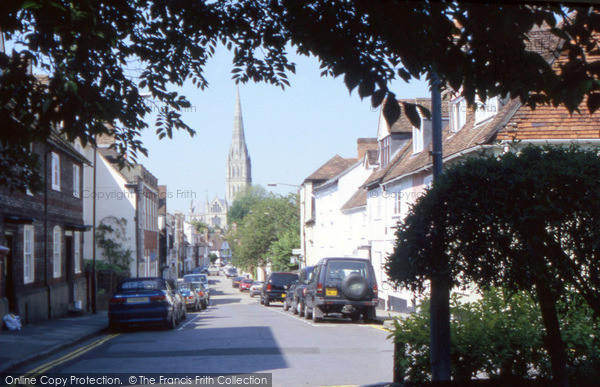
[{"x": 238, "y": 161}]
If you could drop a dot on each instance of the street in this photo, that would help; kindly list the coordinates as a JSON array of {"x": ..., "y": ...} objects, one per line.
[{"x": 238, "y": 335}]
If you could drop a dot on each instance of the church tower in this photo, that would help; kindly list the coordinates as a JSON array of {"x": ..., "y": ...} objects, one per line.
[{"x": 239, "y": 172}]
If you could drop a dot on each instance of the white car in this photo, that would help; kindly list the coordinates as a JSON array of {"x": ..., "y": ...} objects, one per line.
[{"x": 213, "y": 270}]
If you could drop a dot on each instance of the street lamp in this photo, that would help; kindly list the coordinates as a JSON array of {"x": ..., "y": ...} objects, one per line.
[{"x": 276, "y": 184}]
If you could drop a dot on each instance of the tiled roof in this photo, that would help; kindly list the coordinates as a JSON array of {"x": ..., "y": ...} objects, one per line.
[
  {"x": 331, "y": 168},
  {"x": 359, "y": 199},
  {"x": 403, "y": 125},
  {"x": 470, "y": 135},
  {"x": 373, "y": 156}
]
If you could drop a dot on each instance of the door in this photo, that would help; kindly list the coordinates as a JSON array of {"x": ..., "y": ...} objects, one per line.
[
  {"x": 69, "y": 259},
  {"x": 10, "y": 273}
]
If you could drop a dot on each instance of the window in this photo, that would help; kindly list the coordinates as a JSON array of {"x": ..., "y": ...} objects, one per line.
[
  {"x": 486, "y": 110},
  {"x": 28, "y": 254},
  {"x": 458, "y": 114},
  {"x": 55, "y": 172},
  {"x": 57, "y": 259},
  {"x": 385, "y": 151},
  {"x": 77, "y": 252},
  {"x": 76, "y": 183},
  {"x": 417, "y": 140}
]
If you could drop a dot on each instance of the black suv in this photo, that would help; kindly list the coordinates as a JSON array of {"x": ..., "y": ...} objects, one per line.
[
  {"x": 342, "y": 285},
  {"x": 276, "y": 286},
  {"x": 295, "y": 296}
]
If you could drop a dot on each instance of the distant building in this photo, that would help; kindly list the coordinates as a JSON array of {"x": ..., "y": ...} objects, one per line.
[
  {"x": 238, "y": 177},
  {"x": 239, "y": 168}
]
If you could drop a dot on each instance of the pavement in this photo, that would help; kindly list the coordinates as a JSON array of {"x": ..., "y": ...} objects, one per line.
[{"x": 39, "y": 340}]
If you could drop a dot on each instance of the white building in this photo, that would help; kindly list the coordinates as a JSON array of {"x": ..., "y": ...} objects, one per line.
[{"x": 127, "y": 201}]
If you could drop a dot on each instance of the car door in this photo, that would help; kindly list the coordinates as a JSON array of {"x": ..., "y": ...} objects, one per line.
[{"x": 311, "y": 288}]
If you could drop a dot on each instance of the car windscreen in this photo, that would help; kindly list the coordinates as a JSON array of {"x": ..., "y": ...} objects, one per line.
[
  {"x": 338, "y": 270},
  {"x": 141, "y": 285},
  {"x": 195, "y": 278},
  {"x": 283, "y": 279},
  {"x": 307, "y": 272}
]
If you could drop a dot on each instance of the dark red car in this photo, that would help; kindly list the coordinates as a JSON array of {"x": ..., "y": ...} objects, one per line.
[{"x": 245, "y": 285}]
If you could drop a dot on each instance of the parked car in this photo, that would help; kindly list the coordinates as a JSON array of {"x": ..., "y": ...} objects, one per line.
[
  {"x": 231, "y": 273},
  {"x": 342, "y": 285},
  {"x": 235, "y": 282},
  {"x": 245, "y": 285},
  {"x": 256, "y": 288},
  {"x": 144, "y": 300},
  {"x": 203, "y": 294},
  {"x": 192, "y": 299},
  {"x": 214, "y": 270},
  {"x": 295, "y": 296},
  {"x": 196, "y": 278},
  {"x": 276, "y": 287},
  {"x": 179, "y": 297}
]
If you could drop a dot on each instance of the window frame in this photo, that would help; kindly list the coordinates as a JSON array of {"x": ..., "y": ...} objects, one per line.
[
  {"x": 28, "y": 264},
  {"x": 56, "y": 252},
  {"x": 77, "y": 252},
  {"x": 76, "y": 181},
  {"x": 55, "y": 171},
  {"x": 458, "y": 112}
]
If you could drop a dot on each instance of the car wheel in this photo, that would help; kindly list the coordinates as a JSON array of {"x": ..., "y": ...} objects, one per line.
[
  {"x": 184, "y": 314},
  {"x": 285, "y": 305},
  {"x": 317, "y": 314},
  {"x": 262, "y": 302},
  {"x": 307, "y": 313},
  {"x": 369, "y": 315},
  {"x": 204, "y": 305},
  {"x": 114, "y": 326},
  {"x": 294, "y": 307},
  {"x": 300, "y": 309},
  {"x": 267, "y": 302},
  {"x": 173, "y": 323},
  {"x": 355, "y": 316}
]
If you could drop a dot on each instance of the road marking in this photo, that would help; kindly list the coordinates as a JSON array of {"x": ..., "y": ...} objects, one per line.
[
  {"x": 72, "y": 355},
  {"x": 322, "y": 324},
  {"x": 190, "y": 321}
]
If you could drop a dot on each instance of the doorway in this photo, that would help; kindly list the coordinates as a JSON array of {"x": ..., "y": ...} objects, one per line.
[
  {"x": 69, "y": 259},
  {"x": 10, "y": 273}
]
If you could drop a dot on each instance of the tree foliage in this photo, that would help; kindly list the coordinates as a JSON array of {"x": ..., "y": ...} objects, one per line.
[
  {"x": 110, "y": 237},
  {"x": 515, "y": 220},
  {"x": 527, "y": 221},
  {"x": 266, "y": 233},
  {"x": 102, "y": 57},
  {"x": 243, "y": 202},
  {"x": 500, "y": 336}
]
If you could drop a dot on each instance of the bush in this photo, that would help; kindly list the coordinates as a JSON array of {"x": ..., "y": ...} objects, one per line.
[{"x": 500, "y": 336}]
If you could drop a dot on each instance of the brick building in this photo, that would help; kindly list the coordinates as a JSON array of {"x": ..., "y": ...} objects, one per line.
[{"x": 43, "y": 274}]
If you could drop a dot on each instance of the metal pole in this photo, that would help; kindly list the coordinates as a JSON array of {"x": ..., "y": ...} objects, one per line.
[
  {"x": 440, "y": 355},
  {"x": 94, "y": 230}
]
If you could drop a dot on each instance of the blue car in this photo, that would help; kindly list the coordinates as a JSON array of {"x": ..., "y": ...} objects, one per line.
[{"x": 144, "y": 300}]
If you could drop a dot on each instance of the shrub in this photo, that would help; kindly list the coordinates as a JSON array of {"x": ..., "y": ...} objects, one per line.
[{"x": 500, "y": 336}]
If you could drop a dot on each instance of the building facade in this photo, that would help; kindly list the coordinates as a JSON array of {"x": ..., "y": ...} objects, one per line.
[{"x": 43, "y": 275}]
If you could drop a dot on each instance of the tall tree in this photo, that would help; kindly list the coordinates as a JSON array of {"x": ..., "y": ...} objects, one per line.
[
  {"x": 101, "y": 57},
  {"x": 527, "y": 220}
]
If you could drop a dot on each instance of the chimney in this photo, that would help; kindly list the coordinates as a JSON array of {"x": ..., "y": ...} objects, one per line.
[{"x": 365, "y": 144}]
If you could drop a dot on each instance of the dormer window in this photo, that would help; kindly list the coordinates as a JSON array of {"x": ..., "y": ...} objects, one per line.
[
  {"x": 421, "y": 137},
  {"x": 486, "y": 110},
  {"x": 458, "y": 114}
]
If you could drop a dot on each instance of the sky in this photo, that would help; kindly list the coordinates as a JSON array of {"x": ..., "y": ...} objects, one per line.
[{"x": 289, "y": 133}]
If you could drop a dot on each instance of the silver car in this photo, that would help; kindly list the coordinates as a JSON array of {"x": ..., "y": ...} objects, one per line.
[{"x": 256, "y": 288}]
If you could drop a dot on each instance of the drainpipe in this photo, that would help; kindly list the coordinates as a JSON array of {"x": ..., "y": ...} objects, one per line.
[
  {"x": 94, "y": 290},
  {"x": 46, "y": 285}
]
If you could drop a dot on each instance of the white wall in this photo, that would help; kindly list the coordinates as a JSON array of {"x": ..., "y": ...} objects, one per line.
[
  {"x": 337, "y": 233},
  {"x": 112, "y": 199}
]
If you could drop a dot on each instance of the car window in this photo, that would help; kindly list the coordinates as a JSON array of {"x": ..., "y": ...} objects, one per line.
[
  {"x": 338, "y": 270},
  {"x": 307, "y": 274},
  {"x": 143, "y": 285},
  {"x": 283, "y": 279}
]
